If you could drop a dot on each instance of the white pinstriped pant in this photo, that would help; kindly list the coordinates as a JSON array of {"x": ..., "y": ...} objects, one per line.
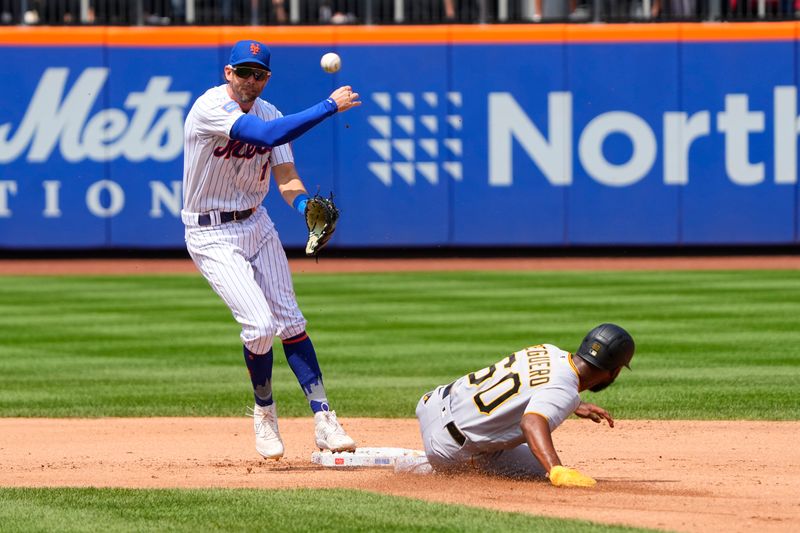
[{"x": 245, "y": 264}]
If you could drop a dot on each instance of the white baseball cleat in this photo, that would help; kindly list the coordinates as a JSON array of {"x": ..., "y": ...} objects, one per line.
[
  {"x": 330, "y": 434},
  {"x": 268, "y": 438}
]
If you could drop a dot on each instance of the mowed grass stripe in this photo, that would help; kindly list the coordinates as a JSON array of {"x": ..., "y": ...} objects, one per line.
[
  {"x": 710, "y": 344},
  {"x": 104, "y": 510}
]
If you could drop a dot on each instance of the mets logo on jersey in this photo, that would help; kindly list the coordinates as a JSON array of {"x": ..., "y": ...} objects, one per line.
[
  {"x": 255, "y": 48},
  {"x": 239, "y": 150}
]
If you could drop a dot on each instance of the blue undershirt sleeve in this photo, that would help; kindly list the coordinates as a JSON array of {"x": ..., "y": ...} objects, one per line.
[{"x": 271, "y": 133}]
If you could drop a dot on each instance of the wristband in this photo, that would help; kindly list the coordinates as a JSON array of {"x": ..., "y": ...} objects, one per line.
[
  {"x": 332, "y": 107},
  {"x": 300, "y": 202}
]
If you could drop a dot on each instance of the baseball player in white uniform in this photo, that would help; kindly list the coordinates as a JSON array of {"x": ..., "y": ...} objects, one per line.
[
  {"x": 499, "y": 420},
  {"x": 233, "y": 141}
]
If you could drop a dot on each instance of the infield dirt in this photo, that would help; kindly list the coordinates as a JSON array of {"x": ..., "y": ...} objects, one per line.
[
  {"x": 676, "y": 475},
  {"x": 59, "y": 267}
]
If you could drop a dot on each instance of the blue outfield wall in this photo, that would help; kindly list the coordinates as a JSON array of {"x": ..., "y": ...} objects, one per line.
[{"x": 659, "y": 142}]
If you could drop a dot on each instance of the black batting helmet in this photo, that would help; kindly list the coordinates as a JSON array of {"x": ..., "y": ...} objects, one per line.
[{"x": 607, "y": 346}]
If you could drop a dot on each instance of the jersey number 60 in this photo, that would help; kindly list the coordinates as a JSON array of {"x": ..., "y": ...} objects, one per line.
[{"x": 493, "y": 396}]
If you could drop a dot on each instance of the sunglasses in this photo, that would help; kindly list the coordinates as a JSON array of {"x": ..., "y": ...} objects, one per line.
[{"x": 246, "y": 72}]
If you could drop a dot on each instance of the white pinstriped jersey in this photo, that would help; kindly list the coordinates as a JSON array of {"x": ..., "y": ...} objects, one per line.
[
  {"x": 488, "y": 405},
  {"x": 218, "y": 172}
]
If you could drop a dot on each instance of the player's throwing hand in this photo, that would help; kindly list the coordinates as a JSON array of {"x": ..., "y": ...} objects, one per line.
[{"x": 345, "y": 98}]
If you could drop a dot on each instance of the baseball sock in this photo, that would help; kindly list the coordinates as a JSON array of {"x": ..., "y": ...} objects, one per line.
[
  {"x": 260, "y": 368},
  {"x": 303, "y": 360}
]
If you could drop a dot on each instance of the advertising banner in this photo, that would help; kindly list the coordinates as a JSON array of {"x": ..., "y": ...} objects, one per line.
[{"x": 468, "y": 136}]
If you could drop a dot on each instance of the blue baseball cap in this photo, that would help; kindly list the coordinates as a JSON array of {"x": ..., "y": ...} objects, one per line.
[{"x": 250, "y": 52}]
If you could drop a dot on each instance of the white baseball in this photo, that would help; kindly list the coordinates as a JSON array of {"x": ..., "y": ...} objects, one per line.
[{"x": 331, "y": 62}]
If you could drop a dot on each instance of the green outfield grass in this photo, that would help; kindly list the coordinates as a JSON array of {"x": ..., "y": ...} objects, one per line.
[
  {"x": 711, "y": 345},
  {"x": 84, "y": 510}
]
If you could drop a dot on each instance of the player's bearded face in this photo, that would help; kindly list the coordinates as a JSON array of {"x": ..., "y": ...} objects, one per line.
[{"x": 245, "y": 90}]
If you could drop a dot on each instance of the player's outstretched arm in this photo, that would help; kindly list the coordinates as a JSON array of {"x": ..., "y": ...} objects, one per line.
[
  {"x": 271, "y": 133},
  {"x": 537, "y": 434}
]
